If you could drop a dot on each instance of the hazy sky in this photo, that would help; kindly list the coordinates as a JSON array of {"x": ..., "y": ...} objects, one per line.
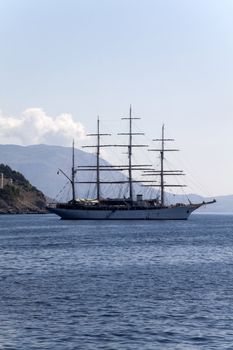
[{"x": 63, "y": 62}]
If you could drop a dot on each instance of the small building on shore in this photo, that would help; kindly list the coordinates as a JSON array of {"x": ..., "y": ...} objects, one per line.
[{"x": 4, "y": 181}]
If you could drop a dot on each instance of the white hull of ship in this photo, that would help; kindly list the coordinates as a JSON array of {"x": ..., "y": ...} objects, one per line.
[{"x": 166, "y": 213}]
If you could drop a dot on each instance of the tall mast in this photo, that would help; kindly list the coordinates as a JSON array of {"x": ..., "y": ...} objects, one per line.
[
  {"x": 130, "y": 156},
  {"x": 73, "y": 175},
  {"x": 130, "y": 146},
  {"x": 130, "y": 167},
  {"x": 97, "y": 167},
  {"x": 162, "y": 173},
  {"x": 98, "y": 161}
]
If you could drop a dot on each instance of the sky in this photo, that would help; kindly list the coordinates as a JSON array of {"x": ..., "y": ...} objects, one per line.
[{"x": 63, "y": 62}]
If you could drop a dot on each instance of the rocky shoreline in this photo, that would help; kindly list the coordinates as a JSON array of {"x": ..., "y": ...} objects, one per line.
[{"x": 18, "y": 196}]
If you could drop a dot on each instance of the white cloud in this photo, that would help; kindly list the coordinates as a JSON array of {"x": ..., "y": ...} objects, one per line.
[{"x": 34, "y": 126}]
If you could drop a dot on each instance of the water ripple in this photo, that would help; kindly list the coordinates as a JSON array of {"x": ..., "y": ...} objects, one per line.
[{"x": 117, "y": 285}]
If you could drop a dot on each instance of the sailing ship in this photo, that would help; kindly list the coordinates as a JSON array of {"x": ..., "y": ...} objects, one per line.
[{"x": 131, "y": 207}]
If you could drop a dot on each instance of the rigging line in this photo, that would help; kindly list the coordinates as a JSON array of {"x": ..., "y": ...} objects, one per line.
[
  {"x": 125, "y": 191},
  {"x": 60, "y": 192},
  {"x": 176, "y": 179},
  {"x": 68, "y": 194},
  {"x": 88, "y": 187},
  {"x": 122, "y": 191},
  {"x": 147, "y": 192},
  {"x": 113, "y": 175},
  {"x": 88, "y": 191},
  {"x": 193, "y": 178},
  {"x": 92, "y": 187},
  {"x": 182, "y": 195},
  {"x": 194, "y": 185},
  {"x": 154, "y": 193},
  {"x": 149, "y": 157},
  {"x": 117, "y": 155},
  {"x": 167, "y": 163},
  {"x": 144, "y": 154},
  {"x": 185, "y": 195},
  {"x": 114, "y": 154}
]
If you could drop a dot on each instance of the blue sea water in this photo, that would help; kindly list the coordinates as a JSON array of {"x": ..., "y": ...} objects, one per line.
[{"x": 68, "y": 285}]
